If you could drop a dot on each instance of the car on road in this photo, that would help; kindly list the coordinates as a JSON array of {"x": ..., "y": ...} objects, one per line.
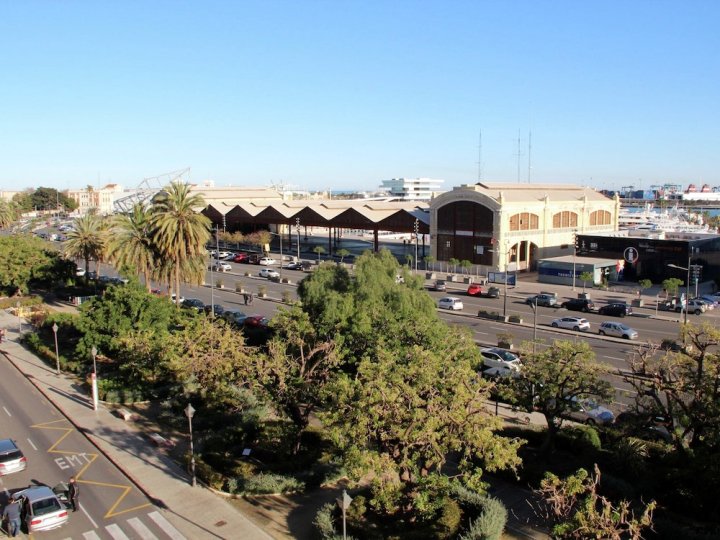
[
  {"x": 92, "y": 274},
  {"x": 240, "y": 257},
  {"x": 450, "y": 302},
  {"x": 80, "y": 272},
  {"x": 438, "y": 285},
  {"x": 616, "y": 309},
  {"x": 501, "y": 361},
  {"x": 224, "y": 254},
  {"x": 547, "y": 300},
  {"x": 194, "y": 303},
  {"x": 269, "y": 273},
  {"x": 588, "y": 412},
  {"x": 173, "y": 297},
  {"x": 491, "y": 292},
  {"x": 234, "y": 317},
  {"x": 41, "y": 509},
  {"x": 217, "y": 309},
  {"x": 474, "y": 290},
  {"x": 266, "y": 261},
  {"x": 616, "y": 329},
  {"x": 12, "y": 459},
  {"x": 572, "y": 323},
  {"x": 221, "y": 267},
  {"x": 293, "y": 266},
  {"x": 579, "y": 304},
  {"x": 710, "y": 299},
  {"x": 257, "y": 321},
  {"x": 693, "y": 306}
]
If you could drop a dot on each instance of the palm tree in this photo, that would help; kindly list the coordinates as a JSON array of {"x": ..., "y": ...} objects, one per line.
[
  {"x": 180, "y": 232},
  {"x": 131, "y": 245},
  {"x": 8, "y": 214},
  {"x": 86, "y": 240}
]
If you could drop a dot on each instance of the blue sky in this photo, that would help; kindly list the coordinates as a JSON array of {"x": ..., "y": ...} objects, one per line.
[{"x": 342, "y": 94}]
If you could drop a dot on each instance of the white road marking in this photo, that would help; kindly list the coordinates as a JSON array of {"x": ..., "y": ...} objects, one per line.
[
  {"x": 165, "y": 525},
  {"x": 32, "y": 444},
  {"x": 616, "y": 358},
  {"x": 141, "y": 529},
  {"x": 6, "y": 411},
  {"x": 91, "y": 535},
  {"x": 95, "y": 525},
  {"x": 116, "y": 532}
]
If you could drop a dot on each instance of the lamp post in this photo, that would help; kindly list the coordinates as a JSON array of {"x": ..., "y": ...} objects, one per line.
[
  {"x": 17, "y": 307},
  {"x": 507, "y": 262},
  {"x": 574, "y": 254},
  {"x": 687, "y": 282},
  {"x": 417, "y": 230},
  {"x": 297, "y": 228},
  {"x": 57, "y": 352},
  {"x": 189, "y": 412},
  {"x": 93, "y": 351}
]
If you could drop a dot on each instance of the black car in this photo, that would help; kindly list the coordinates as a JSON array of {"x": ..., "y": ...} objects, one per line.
[
  {"x": 578, "y": 304},
  {"x": 615, "y": 310},
  {"x": 234, "y": 317},
  {"x": 194, "y": 303},
  {"x": 217, "y": 309},
  {"x": 491, "y": 292}
]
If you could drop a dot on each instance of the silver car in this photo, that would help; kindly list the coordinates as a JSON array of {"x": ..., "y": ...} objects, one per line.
[
  {"x": 12, "y": 459},
  {"x": 578, "y": 324},
  {"x": 450, "y": 302},
  {"x": 588, "y": 412},
  {"x": 617, "y": 329},
  {"x": 42, "y": 510}
]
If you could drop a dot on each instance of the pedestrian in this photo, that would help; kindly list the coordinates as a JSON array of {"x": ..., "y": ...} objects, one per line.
[
  {"x": 250, "y": 299},
  {"x": 12, "y": 514},
  {"x": 74, "y": 493},
  {"x": 245, "y": 297}
]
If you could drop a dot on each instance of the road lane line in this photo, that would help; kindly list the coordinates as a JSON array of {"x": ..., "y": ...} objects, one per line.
[
  {"x": 6, "y": 411},
  {"x": 140, "y": 528},
  {"x": 95, "y": 525},
  {"x": 91, "y": 535},
  {"x": 616, "y": 358},
  {"x": 165, "y": 525},
  {"x": 116, "y": 532},
  {"x": 32, "y": 444}
]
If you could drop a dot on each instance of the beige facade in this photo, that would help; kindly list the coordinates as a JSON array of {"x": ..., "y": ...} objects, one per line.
[
  {"x": 97, "y": 200},
  {"x": 513, "y": 225}
]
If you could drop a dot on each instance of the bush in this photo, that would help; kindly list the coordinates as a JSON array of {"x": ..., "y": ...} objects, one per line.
[
  {"x": 238, "y": 286},
  {"x": 355, "y": 513},
  {"x": 448, "y": 522},
  {"x": 581, "y": 438},
  {"x": 219, "y": 283},
  {"x": 286, "y": 297},
  {"x": 324, "y": 522},
  {"x": 25, "y": 301},
  {"x": 514, "y": 318},
  {"x": 491, "y": 523},
  {"x": 262, "y": 290},
  {"x": 267, "y": 483}
]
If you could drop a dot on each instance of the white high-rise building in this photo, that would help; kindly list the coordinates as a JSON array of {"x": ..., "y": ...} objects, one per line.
[{"x": 412, "y": 189}]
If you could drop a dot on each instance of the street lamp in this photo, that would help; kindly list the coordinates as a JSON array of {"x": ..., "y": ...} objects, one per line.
[
  {"x": 687, "y": 283},
  {"x": 57, "y": 352},
  {"x": 417, "y": 230},
  {"x": 17, "y": 307},
  {"x": 507, "y": 263},
  {"x": 574, "y": 254},
  {"x": 189, "y": 412},
  {"x": 297, "y": 228},
  {"x": 93, "y": 351}
]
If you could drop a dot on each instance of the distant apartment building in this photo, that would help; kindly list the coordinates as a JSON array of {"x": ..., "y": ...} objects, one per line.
[
  {"x": 8, "y": 195},
  {"x": 412, "y": 189},
  {"x": 97, "y": 200}
]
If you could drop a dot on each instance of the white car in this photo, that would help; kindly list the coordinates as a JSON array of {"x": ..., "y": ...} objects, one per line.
[
  {"x": 173, "y": 296},
  {"x": 500, "y": 361},
  {"x": 224, "y": 255},
  {"x": 80, "y": 272},
  {"x": 616, "y": 329},
  {"x": 222, "y": 267},
  {"x": 578, "y": 324},
  {"x": 266, "y": 261},
  {"x": 588, "y": 412},
  {"x": 42, "y": 509},
  {"x": 450, "y": 302},
  {"x": 269, "y": 273}
]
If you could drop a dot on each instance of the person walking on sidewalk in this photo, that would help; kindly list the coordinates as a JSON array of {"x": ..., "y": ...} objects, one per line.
[
  {"x": 11, "y": 513},
  {"x": 74, "y": 493}
]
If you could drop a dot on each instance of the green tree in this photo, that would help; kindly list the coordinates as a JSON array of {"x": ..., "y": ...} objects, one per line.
[
  {"x": 26, "y": 261},
  {"x": 672, "y": 285},
  {"x": 555, "y": 378},
  {"x": 454, "y": 263},
  {"x": 261, "y": 239},
  {"x": 86, "y": 240},
  {"x": 179, "y": 231},
  {"x": 319, "y": 250},
  {"x": 44, "y": 198},
  {"x": 429, "y": 259},
  {"x": 465, "y": 265},
  {"x": 8, "y": 214},
  {"x": 342, "y": 253},
  {"x": 23, "y": 202},
  {"x": 644, "y": 284},
  {"x": 297, "y": 367},
  {"x": 585, "y": 277},
  {"x": 131, "y": 242}
]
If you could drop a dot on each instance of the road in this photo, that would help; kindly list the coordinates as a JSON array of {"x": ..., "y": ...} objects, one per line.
[{"x": 111, "y": 507}]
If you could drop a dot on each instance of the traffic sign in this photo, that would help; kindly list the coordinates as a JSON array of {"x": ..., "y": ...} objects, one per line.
[{"x": 631, "y": 254}]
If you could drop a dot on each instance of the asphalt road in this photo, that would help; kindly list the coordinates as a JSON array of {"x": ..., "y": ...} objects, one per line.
[{"x": 110, "y": 505}]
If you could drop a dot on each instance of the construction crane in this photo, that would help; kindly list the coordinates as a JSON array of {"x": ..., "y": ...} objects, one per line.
[{"x": 148, "y": 188}]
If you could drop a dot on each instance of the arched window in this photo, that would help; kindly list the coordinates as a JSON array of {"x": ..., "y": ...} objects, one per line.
[
  {"x": 523, "y": 221},
  {"x": 600, "y": 217},
  {"x": 565, "y": 219}
]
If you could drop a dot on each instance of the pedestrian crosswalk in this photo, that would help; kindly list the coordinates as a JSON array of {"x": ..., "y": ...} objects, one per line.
[{"x": 156, "y": 528}]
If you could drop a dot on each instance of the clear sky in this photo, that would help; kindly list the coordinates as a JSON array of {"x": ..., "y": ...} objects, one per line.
[{"x": 342, "y": 94}]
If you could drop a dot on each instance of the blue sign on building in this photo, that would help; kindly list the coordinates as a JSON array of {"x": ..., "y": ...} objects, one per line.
[{"x": 499, "y": 277}]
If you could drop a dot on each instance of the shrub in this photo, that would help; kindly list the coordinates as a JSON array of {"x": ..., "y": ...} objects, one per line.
[
  {"x": 514, "y": 318},
  {"x": 206, "y": 473},
  {"x": 355, "y": 513},
  {"x": 266, "y": 483},
  {"x": 219, "y": 283},
  {"x": 490, "y": 524},
  {"x": 286, "y": 298},
  {"x": 324, "y": 522},
  {"x": 468, "y": 498},
  {"x": 581, "y": 438},
  {"x": 262, "y": 290},
  {"x": 25, "y": 301},
  {"x": 238, "y": 286},
  {"x": 448, "y": 522}
]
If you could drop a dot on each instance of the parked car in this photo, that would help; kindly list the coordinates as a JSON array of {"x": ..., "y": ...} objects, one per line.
[
  {"x": 12, "y": 459},
  {"x": 269, "y": 273},
  {"x": 491, "y": 292},
  {"x": 80, "y": 272},
  {"x": 266, "y": 261},
  {"x": 240, "y": 257},
  {"x": 234, "y": 317},
  {"x": 257, "y": 321},
  {"x": 547, "y": 300},
  {"x": 709, "y": 304},
  {"x": 41, "y": 509},
  {"x": 693, "y": 306},
  {"x": 644, "y": 425},
  {"x": 450, "y": 302},
  {"x": 438, "y": 285},
  {"x": 194, "y": 303},
  {"x": 173, "y": 297},
  {"x": 615, "y": 309},
  {"x": 217, "y": 309},
  {"x": 588, "y": 411},
  {"x": 572, "y": 323},
  {"x": 222, "y": 267},
  {"x": 616, "y": 329},
  {"x": 92, "y": 274},
  {"x": 715, "y": 300},
  {"x": 579, "y": 304},
  {"x": 475, "y": 290},
  {"x": 293, "y": 266},
  {"x": 224, "y": 254},
  {"x": 503, "y": 362}
]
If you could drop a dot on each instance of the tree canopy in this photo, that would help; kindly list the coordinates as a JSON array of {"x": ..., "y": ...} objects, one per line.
[{"x": 26, "y": 261}]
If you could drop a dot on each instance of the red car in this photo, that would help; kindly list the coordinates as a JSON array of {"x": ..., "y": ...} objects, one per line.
[
  {"x": 474, "y": 290},
  {"x": 240, "y": 257},
  {"x": 257, "y": 321}
]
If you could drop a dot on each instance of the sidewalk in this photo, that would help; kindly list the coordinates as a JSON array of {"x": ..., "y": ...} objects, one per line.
[{"x": 194, "y": 511}]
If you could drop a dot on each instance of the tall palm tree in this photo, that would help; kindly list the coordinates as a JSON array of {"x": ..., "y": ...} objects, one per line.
[
  {"x": 86, "y": 240},
  {"x": 180, "y": 232},
  {"x": 8, "y": 214},
  {"x": 131, "y": 244}
]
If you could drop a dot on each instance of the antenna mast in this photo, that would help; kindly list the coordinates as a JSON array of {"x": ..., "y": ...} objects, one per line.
[
  {"x": 519, "y": 155},
  {"x": 480, "y": 158},
  {"x": 529, "y": 154}
]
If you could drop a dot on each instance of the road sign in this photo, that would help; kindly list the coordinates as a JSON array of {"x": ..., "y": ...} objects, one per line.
[{"x": 630, "y": 254}]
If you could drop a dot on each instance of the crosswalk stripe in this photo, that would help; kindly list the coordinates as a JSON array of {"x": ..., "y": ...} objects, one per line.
[
  {"x": 141, "y": 529},
  {"x": 165, "y": 525},
  {"x": 116, "y": 532},
  {"x": 91, "y": 535}
]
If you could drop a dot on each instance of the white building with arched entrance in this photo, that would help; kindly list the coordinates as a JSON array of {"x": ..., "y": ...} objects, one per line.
[{"x": 511, "y": 226}]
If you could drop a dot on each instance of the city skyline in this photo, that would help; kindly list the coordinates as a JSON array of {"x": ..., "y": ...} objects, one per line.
[{"x": 322, "y": 95}]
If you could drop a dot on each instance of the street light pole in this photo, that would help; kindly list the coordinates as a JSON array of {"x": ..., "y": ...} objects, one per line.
[
  {"x": 507, "y": 261},
  {"x": 17, "y": 307},
  {"x": 297, "y": 228},
  {"x": 57, "y": 352},
  {"x": 417, "y": 230},
  {"x": 189, "y": 412},
  {"x": 93, "y": 351},
  {"x": 574, "y": 254},
  {"x": 535, "y": 310}
]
